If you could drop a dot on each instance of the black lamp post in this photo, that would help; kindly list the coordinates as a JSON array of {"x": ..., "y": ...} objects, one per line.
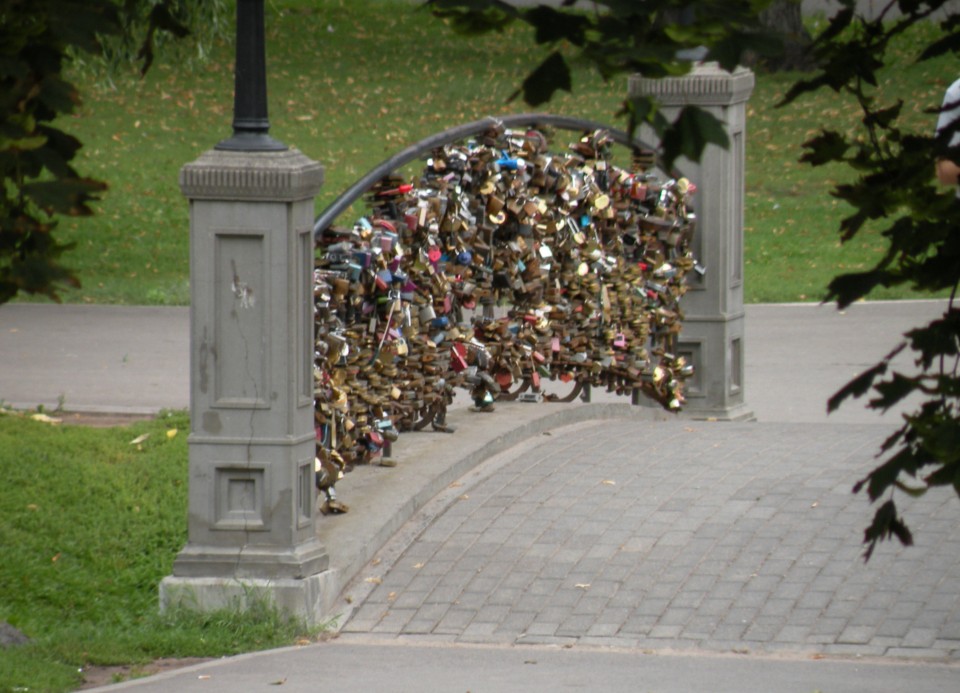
[{"x": 250, "y": 122}]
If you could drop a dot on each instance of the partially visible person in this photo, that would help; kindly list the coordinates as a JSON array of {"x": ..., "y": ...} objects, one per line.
[{"x": 948, "y": 170}]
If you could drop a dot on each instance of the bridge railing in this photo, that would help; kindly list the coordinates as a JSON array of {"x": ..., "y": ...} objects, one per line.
[{"x": 509, "y": 261}]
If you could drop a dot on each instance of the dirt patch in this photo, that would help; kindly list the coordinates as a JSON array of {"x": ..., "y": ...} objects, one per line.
[
  {"x": 94, "y": 676},
  {"x": 99, "y": 420}
]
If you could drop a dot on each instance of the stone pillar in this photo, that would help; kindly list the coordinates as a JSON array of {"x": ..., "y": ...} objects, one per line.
[
  {"x": 252, "y": 496},
  {"x": 713, "y": 329}
]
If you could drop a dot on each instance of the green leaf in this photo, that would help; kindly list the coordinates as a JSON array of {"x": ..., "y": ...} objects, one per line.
[
  {"x": 838, "y": 24},
  {"x": 162, "y": 18},
  {"x": 879, "y": 480},
  {"x": 539, "y": 86},
  {"x": 856, "y": 387},
  {"x": 848, "y": 288},
  {"x": 730, "y": 50},
  {"x": 690, "y": 133},
  {"x": 948, "y": 44},
  {"x": 554, "y": 26},
  {"x": 23, "y": 144},
  {"x": 59, "y": 95},
  {"x": 883, "y": 118},
  {"x": 472, "y": 17},
  {"x": 912, "y": 491},
  {"x": 64, "y": 196},
  {"x": 886, "y": 524},
  {"x": 942, "y": 441},
  {"x": 85, "y": 24},
  {"x": 939, "y": 338},
  {"x": 893, "y": 390},
  {"x": 947, "y": 475},
  {"x": 827, "y": 147}
]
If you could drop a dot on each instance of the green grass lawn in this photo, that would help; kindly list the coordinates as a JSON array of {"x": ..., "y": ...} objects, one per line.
[
  {"x": 351, "y": 83},
  {"x": 91, "y": 523},
  {"x": 791, "y": 241}
]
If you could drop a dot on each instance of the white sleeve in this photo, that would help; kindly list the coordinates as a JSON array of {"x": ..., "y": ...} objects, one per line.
[{"x": 950, "y": 111}]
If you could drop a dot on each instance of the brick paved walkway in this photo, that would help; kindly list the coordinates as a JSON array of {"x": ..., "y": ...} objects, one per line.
[{"x": 678, "y": 535}]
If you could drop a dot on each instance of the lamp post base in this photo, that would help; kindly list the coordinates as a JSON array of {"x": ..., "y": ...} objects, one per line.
[{"x": 308, "y": 599}]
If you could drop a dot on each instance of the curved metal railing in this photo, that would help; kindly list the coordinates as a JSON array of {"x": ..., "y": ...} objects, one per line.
[{"x": 455, "y": 134}]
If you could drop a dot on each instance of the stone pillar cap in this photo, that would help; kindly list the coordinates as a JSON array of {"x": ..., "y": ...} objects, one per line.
[
  {"x": 707, "y": 84},
  {"x": 279, "y": 176}
]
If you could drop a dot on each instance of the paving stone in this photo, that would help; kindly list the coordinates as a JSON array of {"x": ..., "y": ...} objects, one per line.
[
  {"x": 576, "y": 625},
  {"x": 411, "y": 600},
  {"x": 661, "y": 631},
  {"x": 517, "y": 622},
  {"x": 394, "y": 620},
  {"x": 920, "y": 637},
  {"x": 676, "y": 616},
  {"x": 763, "y": 629},
  {"x": 541, "y": 628},
  {"x": 554, "y": 640},
  {"x": 949, "y": 645},
  {"x": 700, "y": 626},
  {"x": 792, "y": 634},
  {"x": 619, "y": 641},
  {"x": 455, "y": 620},
  {"x": 714, "y": 607},
  {"x": 846, "y": 650},
  {"x": 638, "y": 624},
  {"x": 856, "y": 635},
  {"x": 868, "y": 617},
  {"x": 710, "y": 545},
  {"x": 917, "y": 652},
  {"x": 951, "y": 631},
  {"x": 471, "y": 600},
  {"x": 419, "y": 627}
]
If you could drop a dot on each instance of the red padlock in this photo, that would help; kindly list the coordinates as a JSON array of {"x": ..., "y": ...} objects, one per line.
[{"x": 458, "y": 357}]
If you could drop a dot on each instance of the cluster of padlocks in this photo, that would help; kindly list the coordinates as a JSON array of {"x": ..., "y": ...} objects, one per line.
[{"x": 504, "y": 264}]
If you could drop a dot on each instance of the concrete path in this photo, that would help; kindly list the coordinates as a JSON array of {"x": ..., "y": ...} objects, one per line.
[
  {"x": 598, "y": 545},
  {"x": 135, "y": 360}
]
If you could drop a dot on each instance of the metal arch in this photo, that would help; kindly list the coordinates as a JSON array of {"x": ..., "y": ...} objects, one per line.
[{"x": 454, "y": 134}]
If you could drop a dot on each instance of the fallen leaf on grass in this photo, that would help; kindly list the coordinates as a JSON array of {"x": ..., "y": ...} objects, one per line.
[
  {"x": 172, "y": 433},
  {"x": 139, "y": 439}
]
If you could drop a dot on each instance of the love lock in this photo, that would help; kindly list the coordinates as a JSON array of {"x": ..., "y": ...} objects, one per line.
[{"x": 592, "y": 258}]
